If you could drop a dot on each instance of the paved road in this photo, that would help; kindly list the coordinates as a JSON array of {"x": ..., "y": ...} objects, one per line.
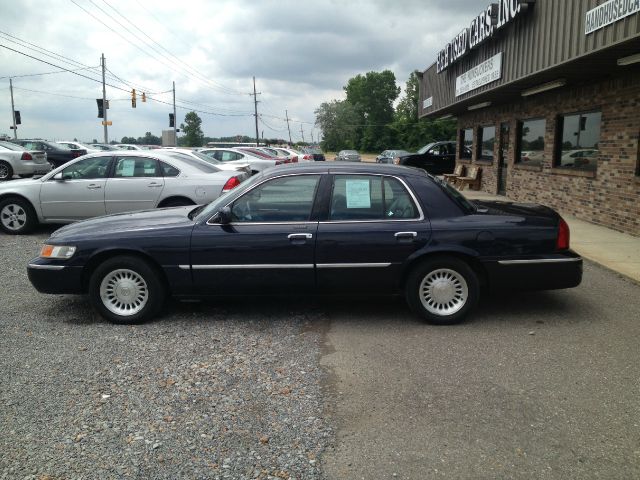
[{"x": 538, "y": 385}]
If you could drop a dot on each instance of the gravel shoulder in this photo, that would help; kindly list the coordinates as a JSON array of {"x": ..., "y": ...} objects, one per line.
[{"x": 222, "y": 389}]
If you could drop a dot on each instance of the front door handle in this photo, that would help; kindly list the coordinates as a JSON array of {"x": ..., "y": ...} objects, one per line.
[
  {"x": 300, "y": 236},
  {"x": 405, "y": 235},
  {"x": 154, "y": 185},
  {"x": 93, "y": 186}
]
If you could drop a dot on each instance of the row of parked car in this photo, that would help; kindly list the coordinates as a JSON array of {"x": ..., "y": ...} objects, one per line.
[{"x": 78, "y": 185}]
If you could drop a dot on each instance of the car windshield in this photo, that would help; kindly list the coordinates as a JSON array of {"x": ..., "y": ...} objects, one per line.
[
  {"x": 208, "y": 210},
  {"x": 426, "y": 147},
  {"x": 459, "y": 197},
  {"x": 11, "y": 146},
  {"x": 202, "y": 165}
]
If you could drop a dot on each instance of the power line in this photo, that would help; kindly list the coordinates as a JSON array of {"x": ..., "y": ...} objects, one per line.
[{"x": 44, "y": 73}]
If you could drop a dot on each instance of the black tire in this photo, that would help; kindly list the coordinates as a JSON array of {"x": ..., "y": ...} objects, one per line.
[
  {"x": 17, "y": 216},
  {"x": 6, "y": 171},
  {"x": 451, "y": 290},
  {"x": 122, "y": 282},
  {"x": 27, "y": 175},
  {"x": 176, "y": 202}
]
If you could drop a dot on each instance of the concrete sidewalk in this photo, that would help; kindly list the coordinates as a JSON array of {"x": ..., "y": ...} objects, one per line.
[{"x": 616, "y": 251}]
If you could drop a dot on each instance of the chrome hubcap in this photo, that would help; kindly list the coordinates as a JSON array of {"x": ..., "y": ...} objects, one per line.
[
  {"x": 4, "y": 172},
  {"x": 124, "y": 292},
  {"x": 443, "y": 292},
  {"x": 13, "y": 217}
]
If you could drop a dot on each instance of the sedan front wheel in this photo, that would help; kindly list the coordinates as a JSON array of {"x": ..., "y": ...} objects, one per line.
[
  {"x": 442, "y": 290},
  {"x": 126, "y": 290},
  {"x": 17, "y": 216}
]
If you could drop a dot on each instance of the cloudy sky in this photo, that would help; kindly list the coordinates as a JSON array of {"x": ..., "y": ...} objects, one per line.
[{"x": 301, "y": 52}]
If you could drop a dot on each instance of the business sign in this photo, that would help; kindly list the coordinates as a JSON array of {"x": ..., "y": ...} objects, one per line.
[
  {"x": 487, "y": 72},
  {"x": 495, "y": 17},
  {"x": 608, "y": 13},
  {"x": 427, "y": 102}
]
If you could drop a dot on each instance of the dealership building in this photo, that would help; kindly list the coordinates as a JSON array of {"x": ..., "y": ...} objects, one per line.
[{"x": 546, "y": 94}]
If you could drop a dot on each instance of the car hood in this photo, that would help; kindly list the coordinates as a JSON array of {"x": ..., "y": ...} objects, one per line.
[
  {"x": 11, "y": 185},
  {"x": 132, "y": 224}
]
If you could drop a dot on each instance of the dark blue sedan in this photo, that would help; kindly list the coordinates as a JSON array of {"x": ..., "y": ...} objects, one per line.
[{"x": 321, "y": 228}]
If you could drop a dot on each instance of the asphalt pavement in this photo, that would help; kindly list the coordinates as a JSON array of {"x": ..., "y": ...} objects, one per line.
[{"x": 534, "y": 385}]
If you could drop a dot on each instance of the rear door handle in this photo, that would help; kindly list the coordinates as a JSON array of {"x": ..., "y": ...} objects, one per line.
[
  {"x": 93, "y": 186},
  {"x": 154, "y": 185},
  {"x": 405, "y": 235},
  {"x": 300, "y": 236}
]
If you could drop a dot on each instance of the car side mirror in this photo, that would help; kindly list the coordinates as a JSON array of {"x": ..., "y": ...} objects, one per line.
[
  {"x": 58, "y": 176},
  {"x": 224, "y": 215}
]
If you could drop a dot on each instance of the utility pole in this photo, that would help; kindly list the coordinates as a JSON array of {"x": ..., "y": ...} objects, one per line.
[
  {"x": 104, "y": 102},
  {"x": 13, "y": 111},
  {"x": 175, "y": 119},
  {"x": 255, "y": 102},
  {"x": 312, "y": 137},
  {"x": 286, "y": 113},
  {"x": 302, "y": 132}
]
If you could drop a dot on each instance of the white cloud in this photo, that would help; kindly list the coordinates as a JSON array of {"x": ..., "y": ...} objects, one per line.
[{"x": 302, "y": 54}]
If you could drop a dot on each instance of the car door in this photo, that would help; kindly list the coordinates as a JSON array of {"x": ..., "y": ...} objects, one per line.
[
  {"x": 374, "y": 224},
  {"x": 268, "y": 247},
  {"x": 136, "y": 184},
  {"x": 78, "y": 193}
]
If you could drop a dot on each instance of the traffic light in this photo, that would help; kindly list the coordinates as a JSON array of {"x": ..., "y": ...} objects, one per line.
[
  {"x": 172, "y": 120},
  {"x": 100, "y": 108},
  {"x": 16, "y": 113},
  {"x": 144, "y": 97},
  {"x": 133, "y": 98}
]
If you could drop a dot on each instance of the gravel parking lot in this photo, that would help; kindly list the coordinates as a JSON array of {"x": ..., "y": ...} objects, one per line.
[{"x": 227, "y": 390}]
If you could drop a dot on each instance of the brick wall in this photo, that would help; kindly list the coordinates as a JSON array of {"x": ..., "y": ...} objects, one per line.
[{"x": 608, "y": 197}]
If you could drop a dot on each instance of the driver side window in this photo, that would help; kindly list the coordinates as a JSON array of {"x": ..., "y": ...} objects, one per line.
[
  {"x": 285, "y": 199},
  {"x": 89, "y": 168}
]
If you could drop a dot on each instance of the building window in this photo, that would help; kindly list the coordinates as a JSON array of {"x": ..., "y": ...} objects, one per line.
[
  {"x": 530, "y": 150},
  {"x": 578, "y": 137},
  {"x": 466, "y": 142},
  {"x": 486, "y": 142}
]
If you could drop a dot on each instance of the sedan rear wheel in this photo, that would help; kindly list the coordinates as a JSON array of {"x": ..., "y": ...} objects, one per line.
[
  {"x": 126, "y": 289},
  {"x": 6, "y": 172},
  {"x": 17, "y": 216},
  {"x": 442, "y": 290}
]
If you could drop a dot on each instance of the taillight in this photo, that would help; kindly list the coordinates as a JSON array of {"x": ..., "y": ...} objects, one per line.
[
  {"x": 279, "y": 162},
  {"x": 232, "y": 183},
  {"x": 294, "y": 159},
  {"x": 286, "y": 160},
  {"x": 307, "y": 157},
  {"x": 26, "y": 156},
  {"x": 562, "y": 242},
  {"x": 396, "y": 161},
  {"x": 76, "y": 154}
]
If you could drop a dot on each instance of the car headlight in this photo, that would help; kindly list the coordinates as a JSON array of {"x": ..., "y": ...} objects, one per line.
[
  {"x": 61, "y": 252},
  {"x": 396, "y": 161}
]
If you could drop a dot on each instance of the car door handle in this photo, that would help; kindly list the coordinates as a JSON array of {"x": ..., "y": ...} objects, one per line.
[
  {"x": 154, "y": 185},
  {"x": 300, "y": 236},
  {"x": 405, "y": 235},
  {"x": 93, "y": 186}
]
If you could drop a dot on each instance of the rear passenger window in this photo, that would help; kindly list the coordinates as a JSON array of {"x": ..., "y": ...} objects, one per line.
[{"x": 367, "y": 197}]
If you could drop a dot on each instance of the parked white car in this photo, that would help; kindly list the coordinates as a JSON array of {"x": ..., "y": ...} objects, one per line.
[
  {"x": 233, "y": 156},
  {"x": 295, "y": 155},
  {"x": 17, "y": 160},
  {"x": 127, "y": 146},
  {"x": 110, "y": 182},
  {"x": 233, "y": 166},
  {"x": 79, "y": 145}
]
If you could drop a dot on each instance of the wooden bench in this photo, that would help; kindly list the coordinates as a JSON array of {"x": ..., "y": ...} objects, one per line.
[
  {"x": 457, "y": 172},
  {"x": 472, "y": 179}
]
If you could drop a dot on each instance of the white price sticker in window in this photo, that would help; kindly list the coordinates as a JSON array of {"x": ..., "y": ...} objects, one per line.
[
  {"x": 127, "y": 167},
  {"x": 358, "y": 194}
]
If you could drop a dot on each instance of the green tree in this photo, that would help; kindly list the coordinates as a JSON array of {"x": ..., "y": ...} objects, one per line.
[
  {"x": 373, "y": 95},
  {"x": 149, "y": 139},
  {"x": 338, "y": 121},
  {"x": 129, "y": 140},
  {"x": 193, "y": 136}
]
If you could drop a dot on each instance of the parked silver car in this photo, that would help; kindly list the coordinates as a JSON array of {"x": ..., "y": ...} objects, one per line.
[
  {"x": 233, "y": 156},
  {"x": 17, "y": 160},
  {"x": 348, "y": 156},
  {"x": 234, "y": 166},
  {"x": 110, "y": 182}
]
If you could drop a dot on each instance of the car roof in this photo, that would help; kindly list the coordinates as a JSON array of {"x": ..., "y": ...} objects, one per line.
[{"x": 355, "y": 168}]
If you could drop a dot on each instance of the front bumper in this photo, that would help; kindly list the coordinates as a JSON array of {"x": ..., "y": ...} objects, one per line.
[{"x": 49, "y": 277}]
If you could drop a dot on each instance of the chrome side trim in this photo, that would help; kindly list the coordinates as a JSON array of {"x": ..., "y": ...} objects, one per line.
[
  {"x": 37, "y": 266},
  {"x": 353, "y": 265},
  {"x": 184, "y": 267},
  {"x": 539, "y": 260},
  {"x": 270, "y": 266}
]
